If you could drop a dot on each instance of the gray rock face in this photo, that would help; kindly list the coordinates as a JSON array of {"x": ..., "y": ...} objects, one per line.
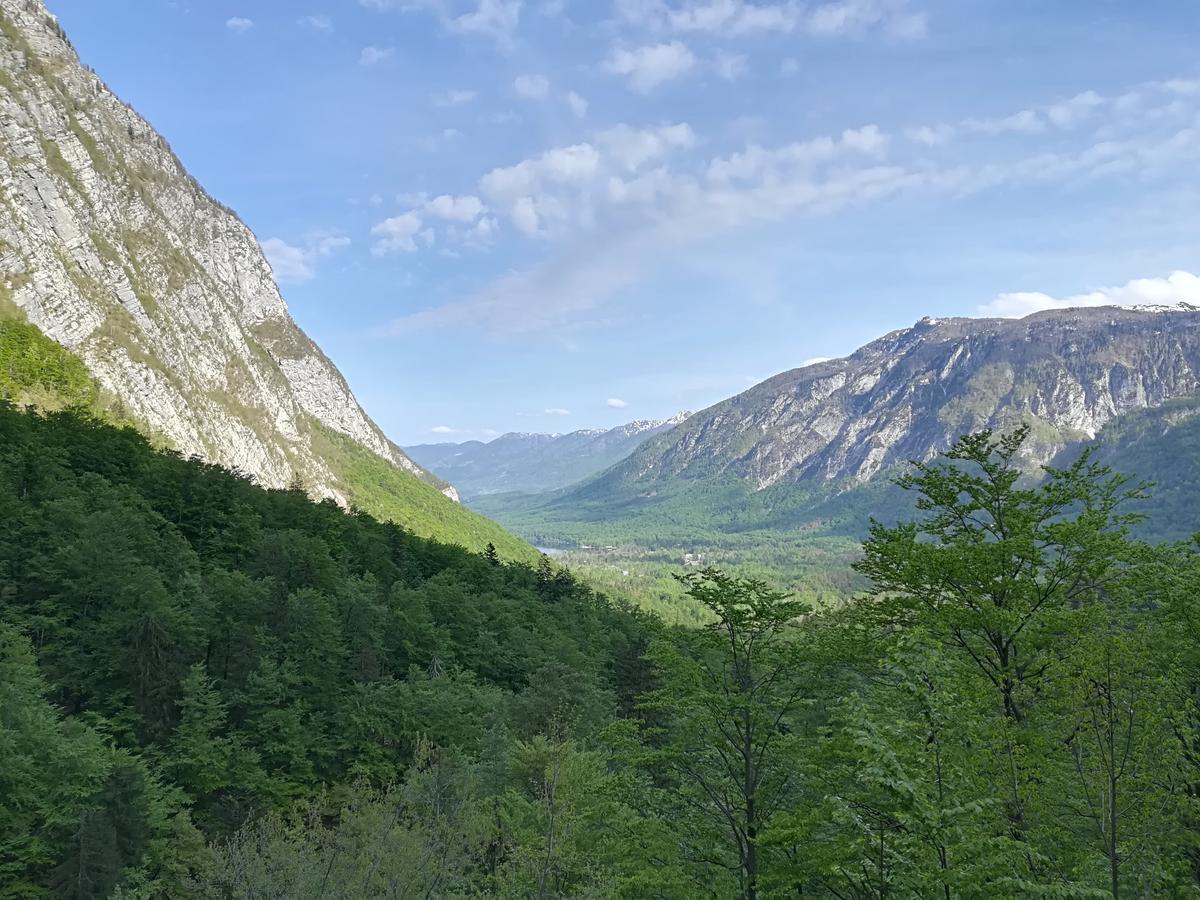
[
  {"x": 109, "y": 247},
  {"x": 911, "y": 393},
  {"x": 535, "y": 462}
]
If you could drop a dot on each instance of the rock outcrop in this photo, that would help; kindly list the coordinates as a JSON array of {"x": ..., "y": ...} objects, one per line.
[
  {"x": 110, "y": 248},
  {"x": 910, "y": 394}
]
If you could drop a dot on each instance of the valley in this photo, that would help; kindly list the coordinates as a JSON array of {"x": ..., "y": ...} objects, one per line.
[
  {"x": 783, "y": 479},
  {"x": 915, "y": 621}
]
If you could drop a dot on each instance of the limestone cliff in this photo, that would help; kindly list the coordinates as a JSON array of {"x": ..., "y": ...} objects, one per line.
[
  {"x": 110, "y": 248},
  {"x": 909, "y": 394}
]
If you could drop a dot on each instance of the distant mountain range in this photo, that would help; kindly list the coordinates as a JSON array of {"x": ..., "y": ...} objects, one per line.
[
  {"x": 532, "y": 463},
  {"x": 811, "y": 450}
]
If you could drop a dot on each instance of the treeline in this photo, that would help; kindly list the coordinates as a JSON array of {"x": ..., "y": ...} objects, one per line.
[
  {"x": 212, "y": 690},
  {"x": 183, "y": 651}
]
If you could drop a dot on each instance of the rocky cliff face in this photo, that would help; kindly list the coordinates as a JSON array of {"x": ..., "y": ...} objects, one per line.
[
  {"x": 109, "y": 247},
  {"x": 536, "y": 462},
  {"x": 909, "y": 394}
]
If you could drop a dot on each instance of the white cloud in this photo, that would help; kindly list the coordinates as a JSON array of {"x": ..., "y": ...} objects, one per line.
[
  {"x": 497, "y": 19},
  {"x": 526, "y": 191},
  {"x": 455, "y": 209},
  {"x": 646, "y": 68},
  {"x": 813, "y": 360},
  {"x": 857, "y": 16},
  {"x": 557, "y": 411},
  {"x": 298, "y": 263},
  {"x": 443, "y": 429},
  {"x": 631, "y": 148},
  {"x": 454, "y": 97},
  {"x": 578, "y": 105},
  {"x": 930, "y": 136},
  {"x": 1178, "y": 287},
  {"x": 396, "y": 234},
  {"x": 559, "y": 190},
  {"x": 617, "y": 205},
  {"x": 525, "y": 216},
  {"x": 1183, "y": 86},
  {"x": 480, "y": 234},
  {"x": 1028, "y": 121},
  {"x": 731, "y": 66},
  {"x": 868, "y": 140},
  {"x": 289, "y": 263},
  {"x": 734, "y": 17},
  {"x": 373, "y": 56},
  {"x": 239, "y": 25},
  {"x": 316, "y": 23},
  {"x": 738, "y": 18},
  {"x": 616, "y": 403},
  {"x": 1070, "y": 113},
  {"x": 531, "y": 87}
]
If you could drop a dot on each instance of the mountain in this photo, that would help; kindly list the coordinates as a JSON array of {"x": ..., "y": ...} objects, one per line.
[
  {"x": 109, "y": 248},
  {"x": 1162, "y": 446},
  {"x": 532, "y": 463},
  {"x": 909, "y": 394},
  {"x": 784, "y": 477}
]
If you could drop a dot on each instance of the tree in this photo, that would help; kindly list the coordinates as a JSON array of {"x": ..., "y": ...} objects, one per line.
[
  {"x": 732, "y": 691},
  {"x": 490, "y": 554},
  {"x": 997, "y": 574}
]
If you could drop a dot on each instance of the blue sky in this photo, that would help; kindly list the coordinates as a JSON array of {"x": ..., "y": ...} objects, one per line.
[{"x": 542, "y": 215}]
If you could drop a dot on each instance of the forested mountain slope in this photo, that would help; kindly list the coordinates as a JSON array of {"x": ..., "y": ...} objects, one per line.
[
  {"x": 783, "y": 478},
  {"x": 111, "y": 249},
  {"x": 762, "y": 458},
  {"x": 212, "y": 690},
  {"x": 533, "y": 463},
  {"x": 1161, "y": 446},
  {"x": 219, "y": 650}
]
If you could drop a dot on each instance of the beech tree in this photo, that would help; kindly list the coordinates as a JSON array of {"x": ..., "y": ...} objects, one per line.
[{"x": 731, "y": 691}]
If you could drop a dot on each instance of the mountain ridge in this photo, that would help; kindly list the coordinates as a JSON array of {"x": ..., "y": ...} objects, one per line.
[
  {"x": 909, "y": 393},
  {"x": 109, "y": 247},
  {"x": 533, "y": 462}
]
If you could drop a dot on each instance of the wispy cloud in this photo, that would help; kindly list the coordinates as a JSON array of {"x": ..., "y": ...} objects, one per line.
[
  {"x": 731, "y": 66},
  {"x": 648, "y": 67},
  {"x": 616, "y": 403},
  {"x": 239, "y": 24},
  {"x": 373, "y": 56},
  {"x": 577, "y": 104},
  {"x": 557, "y": 411},
  {"x": 494, "y": 19},
  {"x": 739, "y": 18},
  {"x": 454, "y": 97},
  {"x": 316, "y": 23},
  {"x": 614, "y": 206},
  {"x": 531, "y": 87},
  {"x": 1176, "y": 288},
  {"x": 396, "y": 234},
  {"x": 297, "y": 263}
]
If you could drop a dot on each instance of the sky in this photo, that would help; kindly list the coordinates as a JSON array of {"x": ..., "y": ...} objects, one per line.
[{"x": 543, "y": 215}]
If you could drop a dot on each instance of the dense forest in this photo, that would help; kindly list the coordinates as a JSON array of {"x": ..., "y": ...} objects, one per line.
[{"x": 209, "y": 689}]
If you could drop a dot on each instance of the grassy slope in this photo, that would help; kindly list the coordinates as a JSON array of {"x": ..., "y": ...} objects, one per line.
[
  {"x": 37, "y": 371},
  {"x": 384, "y": 491}
]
